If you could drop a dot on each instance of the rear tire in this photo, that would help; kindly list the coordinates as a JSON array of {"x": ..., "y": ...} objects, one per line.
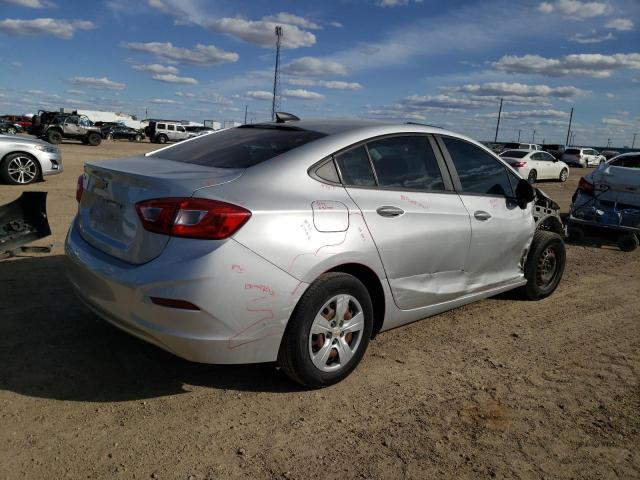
[
  {"x": 533, "y": 175},
  {"x": 12, "y": 131},
  {"x": 94, "y": 139},
  {"x": 138, "y": 138},
  {"x": 54, "y": 137},
  {"x": 162, "y": 139},
  {"x": 545, "y": 265},
  {"x": 628, "y": 242},
  {"x": 564, "y": 175},
  {"x": 331, "y": 325}
]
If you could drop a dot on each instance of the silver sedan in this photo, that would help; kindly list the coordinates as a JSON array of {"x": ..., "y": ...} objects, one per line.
[
  {"x": 299, "y": 241},
  {"x": 25, "y": 160}
]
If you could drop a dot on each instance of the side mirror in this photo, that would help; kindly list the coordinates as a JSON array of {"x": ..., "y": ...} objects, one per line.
[{"x": 524, "y": 193}]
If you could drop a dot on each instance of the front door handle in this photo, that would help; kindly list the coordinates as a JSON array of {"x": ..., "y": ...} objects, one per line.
[
  {"x": 482, "y": 215},
  {"x": 389, "y": 211}
]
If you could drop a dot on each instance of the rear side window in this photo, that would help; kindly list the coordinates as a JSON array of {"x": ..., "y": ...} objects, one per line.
[
  {"x": 171, "y": 127},
  {"x": 161, "y": 126},
  {"x": 405, "y": 162},
  {"x": 355, "y": 168},
  {"x": 572, "y": 151},
  {"x": 514, "y": 153},
  {"x": 478, "y": 171},
  {"x": 238, "y": 147},
  {"x": 628, "y": 162}
]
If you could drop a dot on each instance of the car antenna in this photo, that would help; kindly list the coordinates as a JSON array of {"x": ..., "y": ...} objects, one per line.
[
  {"x": 284, "y": 117},
  {"x": 424, "y": 124}
]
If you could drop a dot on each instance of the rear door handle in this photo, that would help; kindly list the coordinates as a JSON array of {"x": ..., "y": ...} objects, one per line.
[
  {"x": 482, "y": 215},
  {"x": 389, "y": 211}
]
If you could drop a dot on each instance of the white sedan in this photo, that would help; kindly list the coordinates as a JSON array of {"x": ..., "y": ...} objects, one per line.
[{"x": 536, "y": 165}]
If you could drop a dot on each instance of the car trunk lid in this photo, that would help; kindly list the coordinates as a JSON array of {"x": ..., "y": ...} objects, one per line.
[{"x": 107, "y": 215}]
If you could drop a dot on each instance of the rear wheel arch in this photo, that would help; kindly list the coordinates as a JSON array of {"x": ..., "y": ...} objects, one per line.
[{"x": 372, "y": 283}]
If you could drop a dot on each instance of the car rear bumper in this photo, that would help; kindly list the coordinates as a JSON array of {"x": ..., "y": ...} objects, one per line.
[{"x": 244, "y": 301}]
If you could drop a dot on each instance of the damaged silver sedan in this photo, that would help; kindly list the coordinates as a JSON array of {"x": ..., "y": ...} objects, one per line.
[{"x": 297, "y": 242}]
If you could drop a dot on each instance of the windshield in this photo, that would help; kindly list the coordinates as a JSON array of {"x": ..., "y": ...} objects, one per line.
[
  {"x": 240, "y": 147},
  {"x": 514, "y": 153}
]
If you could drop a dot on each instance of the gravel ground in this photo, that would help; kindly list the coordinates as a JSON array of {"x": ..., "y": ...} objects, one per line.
[{"x": 501, "y": 388}]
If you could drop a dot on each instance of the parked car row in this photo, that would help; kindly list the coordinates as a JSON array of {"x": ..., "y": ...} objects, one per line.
[{"x": 536, "y": 165}]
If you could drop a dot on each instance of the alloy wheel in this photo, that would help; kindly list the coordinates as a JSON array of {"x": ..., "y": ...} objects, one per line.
[
  {"x": 336, "y": 333},
  {"x": 22, "y": 169}
]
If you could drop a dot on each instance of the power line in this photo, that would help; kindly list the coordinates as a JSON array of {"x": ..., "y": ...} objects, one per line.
[{"x": 275, "y": 106}]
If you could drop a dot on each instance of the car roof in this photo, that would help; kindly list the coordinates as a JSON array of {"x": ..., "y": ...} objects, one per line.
[{"x": 336, "y": 126}]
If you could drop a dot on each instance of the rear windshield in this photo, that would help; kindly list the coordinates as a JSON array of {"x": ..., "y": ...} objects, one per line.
[
  {"x": 240, "y": 147},
  {"x": 512, "y": 145},
  {"x": 514, "y": 153},
  {"x": 572, "y": 151}
]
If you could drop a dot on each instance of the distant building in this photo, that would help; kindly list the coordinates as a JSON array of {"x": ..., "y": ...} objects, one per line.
[{"x": 230, "y": 124}]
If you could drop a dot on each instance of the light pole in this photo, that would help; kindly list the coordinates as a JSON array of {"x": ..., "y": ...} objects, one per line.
[
  {"x": 633, "y": 143},
  {"x": 498, "y": 124},
  {"x": 519, "y": 135},
  {"x": 533, "y": 138},
  {"x": 569, "y": 129}
]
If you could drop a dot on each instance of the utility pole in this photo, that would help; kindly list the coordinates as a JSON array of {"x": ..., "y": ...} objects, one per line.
[
  {"x": 146, "y": 112},
  {"x": 608, "y": 142},
  {"x": 276, "y": 75},
  {"x": 519, "y": 135},
  {"x": 633, "y": 143},
  {"x": 245, "y": 114},
  {"x": 498, "y": 125},
  {"x": 569, "y": 129},
  {"x": 533, "y": 138},
  {"x": 573, "y": 138}
]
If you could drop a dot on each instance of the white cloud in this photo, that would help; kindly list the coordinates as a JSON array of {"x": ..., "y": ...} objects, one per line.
[
  {"x": 32, "y": 3},
  {"x": 576, "y": 9},
  {"x": 261, "y": 32},
  {"x": 440, "y": 102},
  {"x": 155, "y": 68},
  {"x": 165, "y": 101},
  {"x": 395, "y": 3},
  {"x": 186, "y": 94},
  {"x": 621, "y": 24},
  {"x": 201, "y": 55},
  {"x": 498, "y": 89},
  {"x": 313, "y": 66},
  {"x": 615, "y": 122},
  {"x": 550, "y": 113},
  {"x": 17, "y": 64},
  {"x": 259, "y": 95},
  {"x": 291, "y": 19},
  {"x": 610, "y": 95},
  {"x": 332, "y": 84},
  {"x": 73, "y": 91},
  {"x": 94, "y": 82},
  {"x": 585, "y": 64},
  {"x": 35, "y": 92},
  {"x": 44, "y": 26},
  {"x": 591, "y": 37},
  {"x": 300, "y": 93},
  {"x": 171, "y": 78},
  {"x": 336, "y": 24}
]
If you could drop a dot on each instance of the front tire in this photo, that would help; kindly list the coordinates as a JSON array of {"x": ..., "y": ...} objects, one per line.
[
  {"x": 628, "y": 242},
  {"x": 20, "y": 169},
  {"x": 545, "y": 265},
  {"x": 12, "y": 131},
  {"x": 162, "y": 139},
  {"x": 328, "y": 332},
  {"x": 94, "y": 139}
]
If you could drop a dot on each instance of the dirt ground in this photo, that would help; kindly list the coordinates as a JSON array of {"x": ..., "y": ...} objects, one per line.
[{"x": 501, "y": 388}]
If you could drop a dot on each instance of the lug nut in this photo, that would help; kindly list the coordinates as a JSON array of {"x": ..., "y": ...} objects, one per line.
[
  {"x": 333, "y": 324},
  {"x": 342, "y": 334},
  {"x": 328, "y": 334},
  {"x": 335, "y": 340},
  {"x": 341, "y": 323}
]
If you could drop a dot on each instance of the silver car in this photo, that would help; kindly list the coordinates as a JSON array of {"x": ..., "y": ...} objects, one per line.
[
  {"x": 298, "y": 242},
  {"x": 25, "y": 160}
]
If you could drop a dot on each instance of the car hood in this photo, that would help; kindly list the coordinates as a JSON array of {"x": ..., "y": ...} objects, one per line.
[{"x": 21, "y": 140}]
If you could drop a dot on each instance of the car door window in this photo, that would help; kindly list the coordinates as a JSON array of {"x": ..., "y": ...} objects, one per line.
[
  {"x": 181, "y": 129},
  {"x": 547, "y": 157},
  {"x": 355, "y": 168},
  {"x": 405, "y": 163},
  {"x": 171, "y": 128},
  {"x": 478, "y": 171}
]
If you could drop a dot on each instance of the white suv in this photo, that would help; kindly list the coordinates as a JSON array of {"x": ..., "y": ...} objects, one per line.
[
  {"x": 163, "y": 132},
  {"x": 582, "y": 157}
]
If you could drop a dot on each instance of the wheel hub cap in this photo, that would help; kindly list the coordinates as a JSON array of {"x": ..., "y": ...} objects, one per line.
[
  {"x": 22, "y": 169},
  {"x": 336, "y": 333}
]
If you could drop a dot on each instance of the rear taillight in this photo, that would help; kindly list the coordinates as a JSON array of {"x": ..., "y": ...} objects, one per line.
[
  {"x": 192, "y": 217},
  {"x": 519, "y": 164},
  {"x": 79, "y": 188},
  {"x": 585, "y": 186}
]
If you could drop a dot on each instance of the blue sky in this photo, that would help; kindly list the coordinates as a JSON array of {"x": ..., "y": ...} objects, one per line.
[{"x": 444, "y": 63}]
